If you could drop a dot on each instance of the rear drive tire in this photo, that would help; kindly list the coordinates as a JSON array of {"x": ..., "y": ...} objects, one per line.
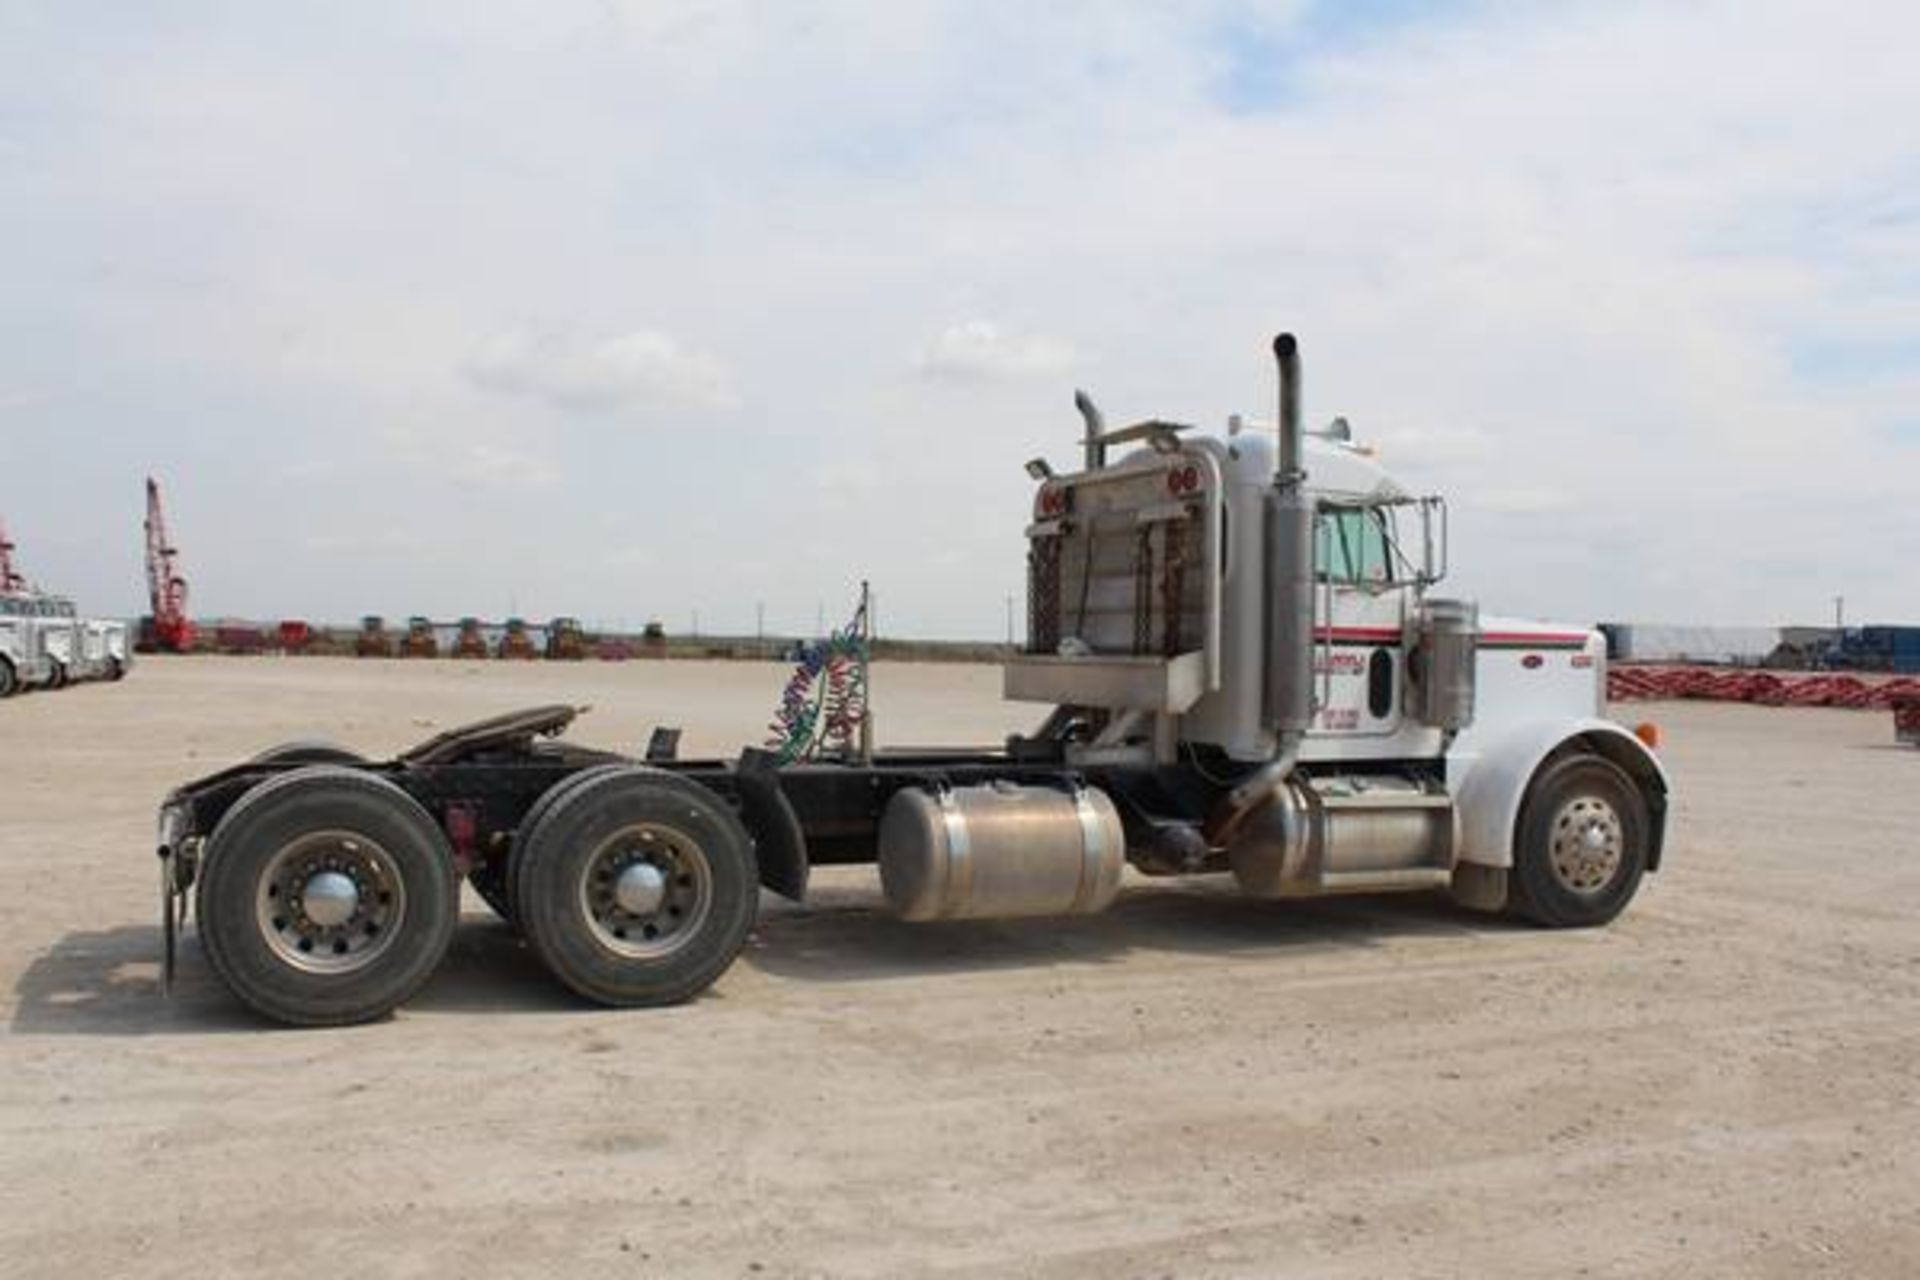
[
  {"x": 637, "y": 887},
  {"x": 1582, "y": 845},
  {"x": 9, "y": 682},
  {"x": 326, "y": 896}
]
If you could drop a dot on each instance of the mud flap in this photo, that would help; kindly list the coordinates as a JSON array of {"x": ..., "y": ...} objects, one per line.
[
  {"x": 170, "y": 913},
  {"x": 778, "y": 842}
]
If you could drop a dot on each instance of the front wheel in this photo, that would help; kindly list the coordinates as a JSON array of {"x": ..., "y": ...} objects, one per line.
[
  {"x": 9, "y": 683},
  {"x": 326, "y": 896},
  {"x": 1582, "y": 848},
  {"x": 636, "y": 887}
]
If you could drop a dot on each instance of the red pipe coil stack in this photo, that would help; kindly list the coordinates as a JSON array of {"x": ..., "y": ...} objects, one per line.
[{"x": 1766, "y": 688}]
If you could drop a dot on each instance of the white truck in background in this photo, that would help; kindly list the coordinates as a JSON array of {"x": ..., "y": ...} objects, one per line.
[
  {"x": 25, "y": 662},
  {"x": 82, "y": 648},
  {"x": 45, "y": 642}
]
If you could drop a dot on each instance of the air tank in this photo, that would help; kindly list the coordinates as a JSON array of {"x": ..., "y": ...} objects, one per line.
[
  {"x": 1000, "y": 850},
  {"x": 1448, "y": 649}
]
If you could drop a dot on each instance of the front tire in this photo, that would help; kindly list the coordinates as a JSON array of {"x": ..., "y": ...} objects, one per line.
[
  {"x": 636, "y": 887},
  {"x": 1582, "y": 844},
  {"x": 9, "y": 682},
  {"x": 327, "y": 896}
]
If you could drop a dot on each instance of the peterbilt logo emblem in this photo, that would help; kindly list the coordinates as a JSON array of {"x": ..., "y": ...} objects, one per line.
[{"x": 1532, "y": 661}]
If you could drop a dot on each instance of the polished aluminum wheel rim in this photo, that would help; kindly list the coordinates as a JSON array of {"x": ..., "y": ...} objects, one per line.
[
  {"x": 1587, "y": 845},
  {"x": 330, "y": 902},
  {"x": 646, "y": 890}
]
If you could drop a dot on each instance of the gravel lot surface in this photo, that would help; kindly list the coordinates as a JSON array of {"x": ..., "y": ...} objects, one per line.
[{"x": 1724, "y": 1083}]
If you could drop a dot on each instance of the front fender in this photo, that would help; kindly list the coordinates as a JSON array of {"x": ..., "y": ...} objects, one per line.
[{"x": 1489, "y": 782}]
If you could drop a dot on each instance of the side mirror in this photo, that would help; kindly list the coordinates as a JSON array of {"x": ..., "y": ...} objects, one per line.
[{"x": 1433, "y": 539}]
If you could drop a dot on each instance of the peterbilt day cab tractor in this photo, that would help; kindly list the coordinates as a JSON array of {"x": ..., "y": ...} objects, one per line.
[{"x": 1247, "y": 675}]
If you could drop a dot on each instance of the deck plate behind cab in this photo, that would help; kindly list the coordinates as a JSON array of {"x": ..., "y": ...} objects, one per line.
[{"x": 1107, "y": 680}]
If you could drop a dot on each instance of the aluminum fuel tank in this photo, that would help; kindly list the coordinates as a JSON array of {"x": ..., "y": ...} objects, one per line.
[{"x": 1000, "y": 850}]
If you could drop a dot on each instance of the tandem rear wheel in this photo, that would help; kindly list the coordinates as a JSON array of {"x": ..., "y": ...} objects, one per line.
[
  {"x": 634, "y": 886},
  {"x": 326, "y": 896}
]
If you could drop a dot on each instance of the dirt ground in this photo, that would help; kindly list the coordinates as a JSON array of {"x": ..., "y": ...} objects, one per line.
[{"x": 1724, "y": 1083}]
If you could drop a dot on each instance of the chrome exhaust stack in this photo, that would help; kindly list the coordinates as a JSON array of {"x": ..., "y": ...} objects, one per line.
[
  {"x": 1289, "y": 534},
  {"x": 1287, "y": 703}
]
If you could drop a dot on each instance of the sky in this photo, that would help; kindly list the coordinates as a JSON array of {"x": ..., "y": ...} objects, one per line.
[{"x": 643, "y": 310}]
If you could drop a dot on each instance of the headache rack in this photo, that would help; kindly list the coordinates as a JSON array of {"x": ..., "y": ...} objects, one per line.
[{"x": 1123, "y": 584}]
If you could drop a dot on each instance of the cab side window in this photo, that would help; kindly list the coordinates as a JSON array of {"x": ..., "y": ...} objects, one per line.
[{"x": 1352, "y": 547}]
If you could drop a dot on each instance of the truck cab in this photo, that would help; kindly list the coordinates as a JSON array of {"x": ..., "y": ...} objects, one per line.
[{"x": 1180, "y": 622}]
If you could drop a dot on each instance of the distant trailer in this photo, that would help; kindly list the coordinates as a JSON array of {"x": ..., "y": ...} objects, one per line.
[{"x": 239, "y": 640}]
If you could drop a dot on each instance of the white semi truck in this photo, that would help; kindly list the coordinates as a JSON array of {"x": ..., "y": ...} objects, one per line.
[
  {"x": 80, "y": 648},
  {"x": 44, "y": 641},
  {"x": 25, "y": 659},
  {"x": 1247, "y": 675}
]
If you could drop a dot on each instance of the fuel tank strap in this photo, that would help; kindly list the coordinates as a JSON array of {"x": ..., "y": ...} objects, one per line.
[{"x": 1092, "y": 847}]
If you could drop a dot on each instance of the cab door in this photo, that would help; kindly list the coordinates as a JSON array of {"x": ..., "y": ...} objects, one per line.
[{"x": 1360, "y": 623}]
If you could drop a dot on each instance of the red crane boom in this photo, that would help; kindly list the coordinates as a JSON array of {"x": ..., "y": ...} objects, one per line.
[{"x": 166, "y": 589}]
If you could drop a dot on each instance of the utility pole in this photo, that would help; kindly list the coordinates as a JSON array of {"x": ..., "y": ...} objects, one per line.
[
  {"x": 1009, "y": 622},
  {"x": 1839, "y": 613},
  {"x": 760, "y": 622}
]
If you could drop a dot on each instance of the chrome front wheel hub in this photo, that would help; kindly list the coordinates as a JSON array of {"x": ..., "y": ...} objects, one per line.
[
  {"x": 1587, "y": 845},
  {"x": 330, "y": 902},
  {"x": 646, "y": 891}
]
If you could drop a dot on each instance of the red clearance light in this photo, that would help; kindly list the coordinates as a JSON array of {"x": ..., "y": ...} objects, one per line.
[{"x": 1183, "y": 479}]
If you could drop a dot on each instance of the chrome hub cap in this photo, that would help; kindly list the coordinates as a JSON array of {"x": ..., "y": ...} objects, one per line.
[
  {"x": 330, "y": 902},
  {"x": 1587, "y": 845},
  {"x": 330, "y": 899},
  {"x": 641, "y": 889},
  {"x": 646, "y": 891}
]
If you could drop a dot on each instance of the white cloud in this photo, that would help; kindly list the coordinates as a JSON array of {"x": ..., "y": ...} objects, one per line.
[
  {"x": 977, "y": 350},
  {"x": 640, "y": 369},
  {"x": 494, "y": 466}
]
